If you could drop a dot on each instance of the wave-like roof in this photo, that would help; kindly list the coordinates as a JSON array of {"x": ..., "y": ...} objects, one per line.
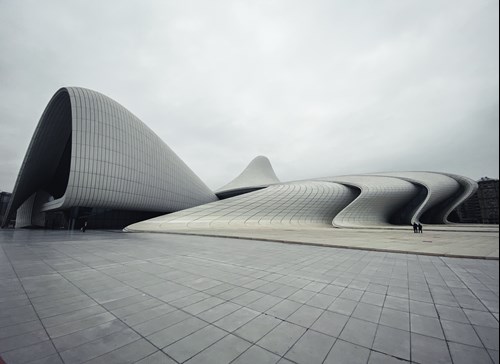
[
  {"x": 357, "y": 201},
  {"x": 307, "y": 203},
  {"x": 439, "y": 187},
  {"x": 258, "y": 174},
  {"x": 380, "y": 199}
]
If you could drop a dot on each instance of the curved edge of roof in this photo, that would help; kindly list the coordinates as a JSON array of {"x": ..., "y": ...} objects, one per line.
[
  {"x": 51, "y": 162},
  {"x": 58, "y": 104},
  {"x": 467, "y": 188},
  {"x": 375, "y": 205},
  {"x": 258, "y": 174}
]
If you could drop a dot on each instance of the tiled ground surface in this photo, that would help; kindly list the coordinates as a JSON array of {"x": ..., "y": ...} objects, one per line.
[{"x": 105, "y": 297}]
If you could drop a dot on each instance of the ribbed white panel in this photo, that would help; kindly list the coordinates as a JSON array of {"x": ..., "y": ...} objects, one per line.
[
  {"x": 309, "y": 203},
  {"x": 379, "y": 200},
  {"x": 439, "y": 188}
]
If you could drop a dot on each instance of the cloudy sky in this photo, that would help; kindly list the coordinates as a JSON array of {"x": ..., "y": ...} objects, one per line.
[{"x": 320, "y": 87}]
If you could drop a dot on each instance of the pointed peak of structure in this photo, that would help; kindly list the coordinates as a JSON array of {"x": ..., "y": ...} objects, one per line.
[{"x": 259, "y": 173}]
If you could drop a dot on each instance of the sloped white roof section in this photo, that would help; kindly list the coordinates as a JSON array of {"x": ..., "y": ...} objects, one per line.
[
  {"x": 259, "y": 173},
  {"x": 380, "y": 198},
  {"x": 295, "y": 204},
  {"x": 440, "y": 187},
  {"x": 467, "y": 188}
]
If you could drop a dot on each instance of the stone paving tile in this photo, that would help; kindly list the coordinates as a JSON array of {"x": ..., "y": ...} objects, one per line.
[
  {"x": 302, "y": 296},
  {"x": 343, "y": 306},
  {"x": 481, "y": 318},
  {"x": 147, "y": 314},
  {"x": 191, "y": 345},
  {"x": 344, "y": 352},
  {"x": 92, "y": 290},
  {"x": 332, "y": 290},
  {"x": 22, "y": 317},
  {"x": 396, "y": 319},
  {"x": 359, "y": 332},
  {"x": 130, "y": 353},
  {"x": 223, "y": 351},
  {"x": 351, "y": 294},
  {"x": 265, "y": 303},
  {"x": 65, "y": 308},
  {"x": 397, "y": 303},
  {"x": 22, "y": 340},
  {"x": 14, "y": 330},
  {"x": 157, "y": 357},
  {"x": 367, "y": 312},
  {"x": 330, "y": 323},
  {"x": 428, "y": 350},
  {"x": 284, "y": 309},
  {"x": 203, "y": 305},
  {"x": 248, "y": 297},
  {"x": 380, "y": 358},
  {"x": 489, "y": 336},
  {"x": 284, "y": 291},
  {"x": 311, "y": 348},
  {"x": 305, "y": 316},
  {"x": 423, "y": 309},
  {"x": 176, "y": 332},
  {"x": 29, "y": 353},
  {"x": 143, "y": 305},
  {"x": 452, "y": 314},
  {"x": 51, "y": 359},
  {"x": 465, "y": 354},
  {"x": 80, "y": 337},
  {"x": 74, "y": 326},
  {"x": 393, "y": 342},
  {"x": 461, "y": 333},
  {"x": 256, "y": 354},
  {"x": 373, "y": 298},
  {"x": 99, "y": 347},
  {"x": 236, "y": 319},
  {"x": 281, "y": 338},
  {"x": 495, "y": 356},
  {"x": 321, "y": 300},
  {"x": 72, "y": 316},
  {"x": 428, "y": 326}
]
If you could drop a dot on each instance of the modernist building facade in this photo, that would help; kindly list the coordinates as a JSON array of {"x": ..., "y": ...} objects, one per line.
[
  {"x": 92, "y": 159},
  {"x": 89, "y": 156}
]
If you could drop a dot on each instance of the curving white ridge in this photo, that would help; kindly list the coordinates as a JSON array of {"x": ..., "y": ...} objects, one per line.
[
  {"x": 468, "y": 188},
  {"x": 259, "y": 173},
  {"x": 380, "y": 199},
  {"x": 306, "y": 203},
  {"x": 374, "y": 200},
  {"x": 440, "y": 187}
]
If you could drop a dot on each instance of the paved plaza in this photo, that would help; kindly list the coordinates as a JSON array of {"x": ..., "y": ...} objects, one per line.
[
  {"x": 468, "y": 241},
  {"x": 113, "y": 297}
]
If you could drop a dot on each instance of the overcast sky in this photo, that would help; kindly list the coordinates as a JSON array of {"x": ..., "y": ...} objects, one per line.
[{"x": 322, "y": 88}]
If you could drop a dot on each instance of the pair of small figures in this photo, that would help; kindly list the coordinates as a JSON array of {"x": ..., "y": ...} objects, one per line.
[{"x": 417, "y": 228}]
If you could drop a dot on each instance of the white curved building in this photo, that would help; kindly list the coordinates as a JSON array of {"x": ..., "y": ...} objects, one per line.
[
  {"x": 91, "y": 159},
  {"x": 89, "y": 152}
]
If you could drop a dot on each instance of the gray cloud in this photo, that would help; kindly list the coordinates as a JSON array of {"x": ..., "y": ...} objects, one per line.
[{"x": 320, "y": 87}]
